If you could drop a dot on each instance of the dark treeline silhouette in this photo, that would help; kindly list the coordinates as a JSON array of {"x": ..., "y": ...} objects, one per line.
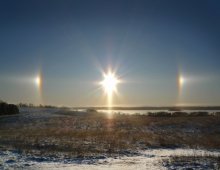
[
  {"x": 182, "y": 114},
  {"x": 32, "y": 105},
  {"x": 166, "y": 108},
  {"x": 8, "y": 109}
]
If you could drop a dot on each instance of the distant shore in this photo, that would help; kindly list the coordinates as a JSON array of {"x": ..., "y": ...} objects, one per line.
[{"x": 169, "y": 108}]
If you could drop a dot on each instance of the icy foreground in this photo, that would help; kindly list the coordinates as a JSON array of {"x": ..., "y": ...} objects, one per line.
[
  {"x": 59, "y": 139},
  {"x": 148, "y": 159}
]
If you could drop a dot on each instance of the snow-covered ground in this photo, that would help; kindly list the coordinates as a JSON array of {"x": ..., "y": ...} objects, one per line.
[
  {"x": 152, "y": 159},
  {"x": 148, "y": 159}
]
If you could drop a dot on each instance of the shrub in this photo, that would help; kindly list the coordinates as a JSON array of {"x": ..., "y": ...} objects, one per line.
[
  {"x": 199, "y": 114},
  {"x": 179, "y": 114},
  {"x": 159, "y": 114},
  {"x": 90, "y": 110},
  {"x": 8, "y": 109}
]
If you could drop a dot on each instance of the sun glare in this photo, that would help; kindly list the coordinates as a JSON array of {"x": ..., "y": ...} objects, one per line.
[
  {"x": 38, "y": 81},
  {"x": 38, "y": 84},
  {"x": 181, "y": 80},
  {"x": 110, "y": 83}
]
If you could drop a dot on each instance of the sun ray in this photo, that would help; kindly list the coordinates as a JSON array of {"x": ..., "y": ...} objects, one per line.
[
  {"x": 38, "y": 83},
  {"x": 181, "y": 81},
  {"x": 109, "y": 84}
]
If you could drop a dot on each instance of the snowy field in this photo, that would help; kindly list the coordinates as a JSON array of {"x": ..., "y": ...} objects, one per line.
[
  {"x": 148, "y": 159},
  {"x": 25, "y": 139}
]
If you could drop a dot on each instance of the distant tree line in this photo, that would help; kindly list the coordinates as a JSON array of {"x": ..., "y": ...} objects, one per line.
[
  {"x": 8, "y": 109},
  {"x": 32, "y": 105},
  {"x": 180, "y": 114}
]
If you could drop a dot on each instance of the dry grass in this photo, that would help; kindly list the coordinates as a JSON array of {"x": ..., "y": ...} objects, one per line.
[{"x": 96, "y": 133}]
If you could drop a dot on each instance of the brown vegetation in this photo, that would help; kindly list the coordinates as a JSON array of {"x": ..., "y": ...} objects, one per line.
[{"x": 95, "y": 133}]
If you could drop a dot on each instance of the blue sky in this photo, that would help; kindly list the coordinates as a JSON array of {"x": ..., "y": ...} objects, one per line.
[{"x": 150, "y": 44}]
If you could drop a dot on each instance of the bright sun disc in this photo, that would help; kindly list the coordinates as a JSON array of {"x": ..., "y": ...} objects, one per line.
[{"x": 109, "y": 83}]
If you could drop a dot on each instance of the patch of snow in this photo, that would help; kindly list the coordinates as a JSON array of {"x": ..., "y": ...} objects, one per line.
[{"x": 148, "y": 159}]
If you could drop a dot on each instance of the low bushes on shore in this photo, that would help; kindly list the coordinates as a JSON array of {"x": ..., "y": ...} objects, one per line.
[
  {"x": 8, "y": 109},
  {"x": 181, "y": 114}
]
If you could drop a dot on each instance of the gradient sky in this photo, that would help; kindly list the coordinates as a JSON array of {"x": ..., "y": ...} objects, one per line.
[{"x": 150, "y": 45}]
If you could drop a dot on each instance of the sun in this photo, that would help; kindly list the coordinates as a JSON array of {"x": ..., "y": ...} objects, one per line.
[{"x": 109, "y": 83}]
